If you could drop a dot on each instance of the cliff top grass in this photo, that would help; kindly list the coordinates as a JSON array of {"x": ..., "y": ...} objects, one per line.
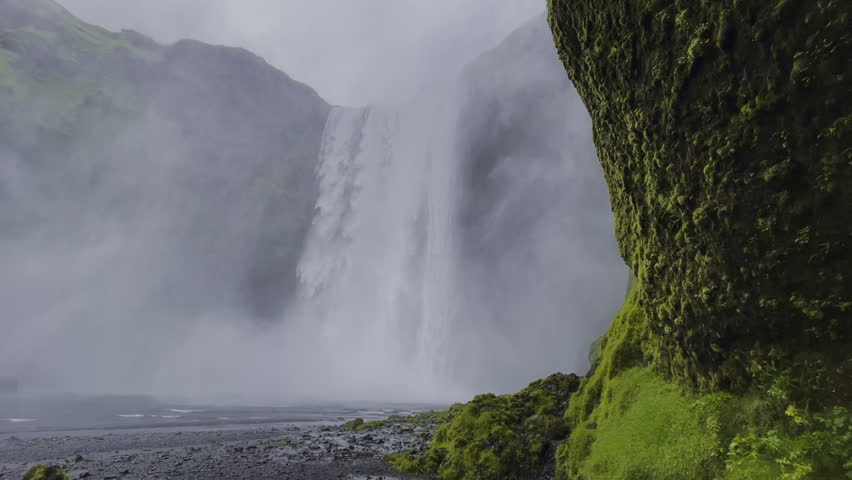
[
  {"x": 59, "y": 76},
  {"x": 42, "y": 28}
]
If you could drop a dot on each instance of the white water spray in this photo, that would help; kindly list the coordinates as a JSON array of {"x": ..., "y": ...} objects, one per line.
[{"x": 378, "y": 271}]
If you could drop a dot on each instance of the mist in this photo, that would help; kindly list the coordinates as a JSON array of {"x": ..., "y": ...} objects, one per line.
[
  {"x": 245, "y": 240},
  {"x": 352, "y": 53}
]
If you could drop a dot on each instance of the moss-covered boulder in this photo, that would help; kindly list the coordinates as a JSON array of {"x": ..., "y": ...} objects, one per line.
[
  {"x": 46, "y": 472},
  {"x": 497, "y": 437},
  {"x": 725, "y": 134}
]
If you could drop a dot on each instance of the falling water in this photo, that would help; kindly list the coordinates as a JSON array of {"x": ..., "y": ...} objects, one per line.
[
  {"x": 378, "y": 271},
  {"x": 457, "y": 244}
]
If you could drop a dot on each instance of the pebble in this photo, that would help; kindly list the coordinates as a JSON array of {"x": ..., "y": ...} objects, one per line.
[{"x": 288, "y": 452}]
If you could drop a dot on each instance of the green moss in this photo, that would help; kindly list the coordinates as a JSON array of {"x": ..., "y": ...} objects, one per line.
[
  {"x": 45, "y": 472},
  {"x": 619, "y": 349},
  {"x": 496, "y": 437},
  {"x": 629, "y": 422},
  {"x": 353, "y": 424},
  {"x": 359, "y": 425},
  {"x": 372, "y": 425},
  {"x": 69, "y": 37},
  {"x": 724, "y": 132},
  {"x": 718, "y": 126},
  {"x": 646, "y": 427},
  {"x": 429, "y": 419}
]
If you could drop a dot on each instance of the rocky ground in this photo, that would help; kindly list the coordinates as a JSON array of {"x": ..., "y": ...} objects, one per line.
[{"x": 310, "y": 452}]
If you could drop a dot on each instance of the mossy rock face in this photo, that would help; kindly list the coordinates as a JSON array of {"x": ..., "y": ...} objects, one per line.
[
  {"x": 497, "y": 437},
  {"x": 725, "y": 133},
  {"x": 45, "y": 472},
  {"x": 628, "y": 422}
]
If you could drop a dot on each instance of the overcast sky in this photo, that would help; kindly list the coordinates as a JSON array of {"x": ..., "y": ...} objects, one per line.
[{"x": 352, "y": 51}]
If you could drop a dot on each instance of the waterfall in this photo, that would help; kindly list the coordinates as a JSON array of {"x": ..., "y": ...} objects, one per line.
[
  {"x": 458, "y": 243},
  {"x": 377, "y": 275}
]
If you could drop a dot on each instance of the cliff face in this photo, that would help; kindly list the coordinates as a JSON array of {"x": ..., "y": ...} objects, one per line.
[
  {"x": 724, "y": 132},
  {"x": 171, "y": 142},
  {"x": 723, "y": 129}
]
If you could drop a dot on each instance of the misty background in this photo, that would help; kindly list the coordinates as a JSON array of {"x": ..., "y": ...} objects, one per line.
[
  {"x": 352, "y": 53},
  {"x": 187, "y": 220}
]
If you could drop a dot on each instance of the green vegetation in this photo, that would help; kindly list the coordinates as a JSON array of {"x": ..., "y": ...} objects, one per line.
[
  {"x": 63, "y": 81},
  {"x": 45, "y": 472},
  {"x": 54, "y": 68},
  {"x": 647, "y": 427},
  {"x": 627, "y": 422},
  {"x": 431, "y": 418},
  {"x": 496, "y": 437},
  {"x": 359, "y": 425},
  {"x": 48, "y": 25},
  {"x": 724, "y": 131},
  {"x": 353, "y": 424}
]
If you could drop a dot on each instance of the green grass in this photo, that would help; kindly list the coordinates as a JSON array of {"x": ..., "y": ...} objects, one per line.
[
  {"x": 628, "y": 422},
  {"x": 619, "y": 349},
  {"x": 70, "y": 37},
  {"x": 495, "y": 437},
  {"x": 646, "y": 427},
  {"x": 649, "y": 428}
]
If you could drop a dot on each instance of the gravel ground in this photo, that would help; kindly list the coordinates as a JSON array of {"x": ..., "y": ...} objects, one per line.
[{"x": 312, "y": 452}]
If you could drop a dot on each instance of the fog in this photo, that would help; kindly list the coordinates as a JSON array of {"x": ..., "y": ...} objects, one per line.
[
  {"x": 242, "y": 240},
  {"x": 353, "y": 52}
]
